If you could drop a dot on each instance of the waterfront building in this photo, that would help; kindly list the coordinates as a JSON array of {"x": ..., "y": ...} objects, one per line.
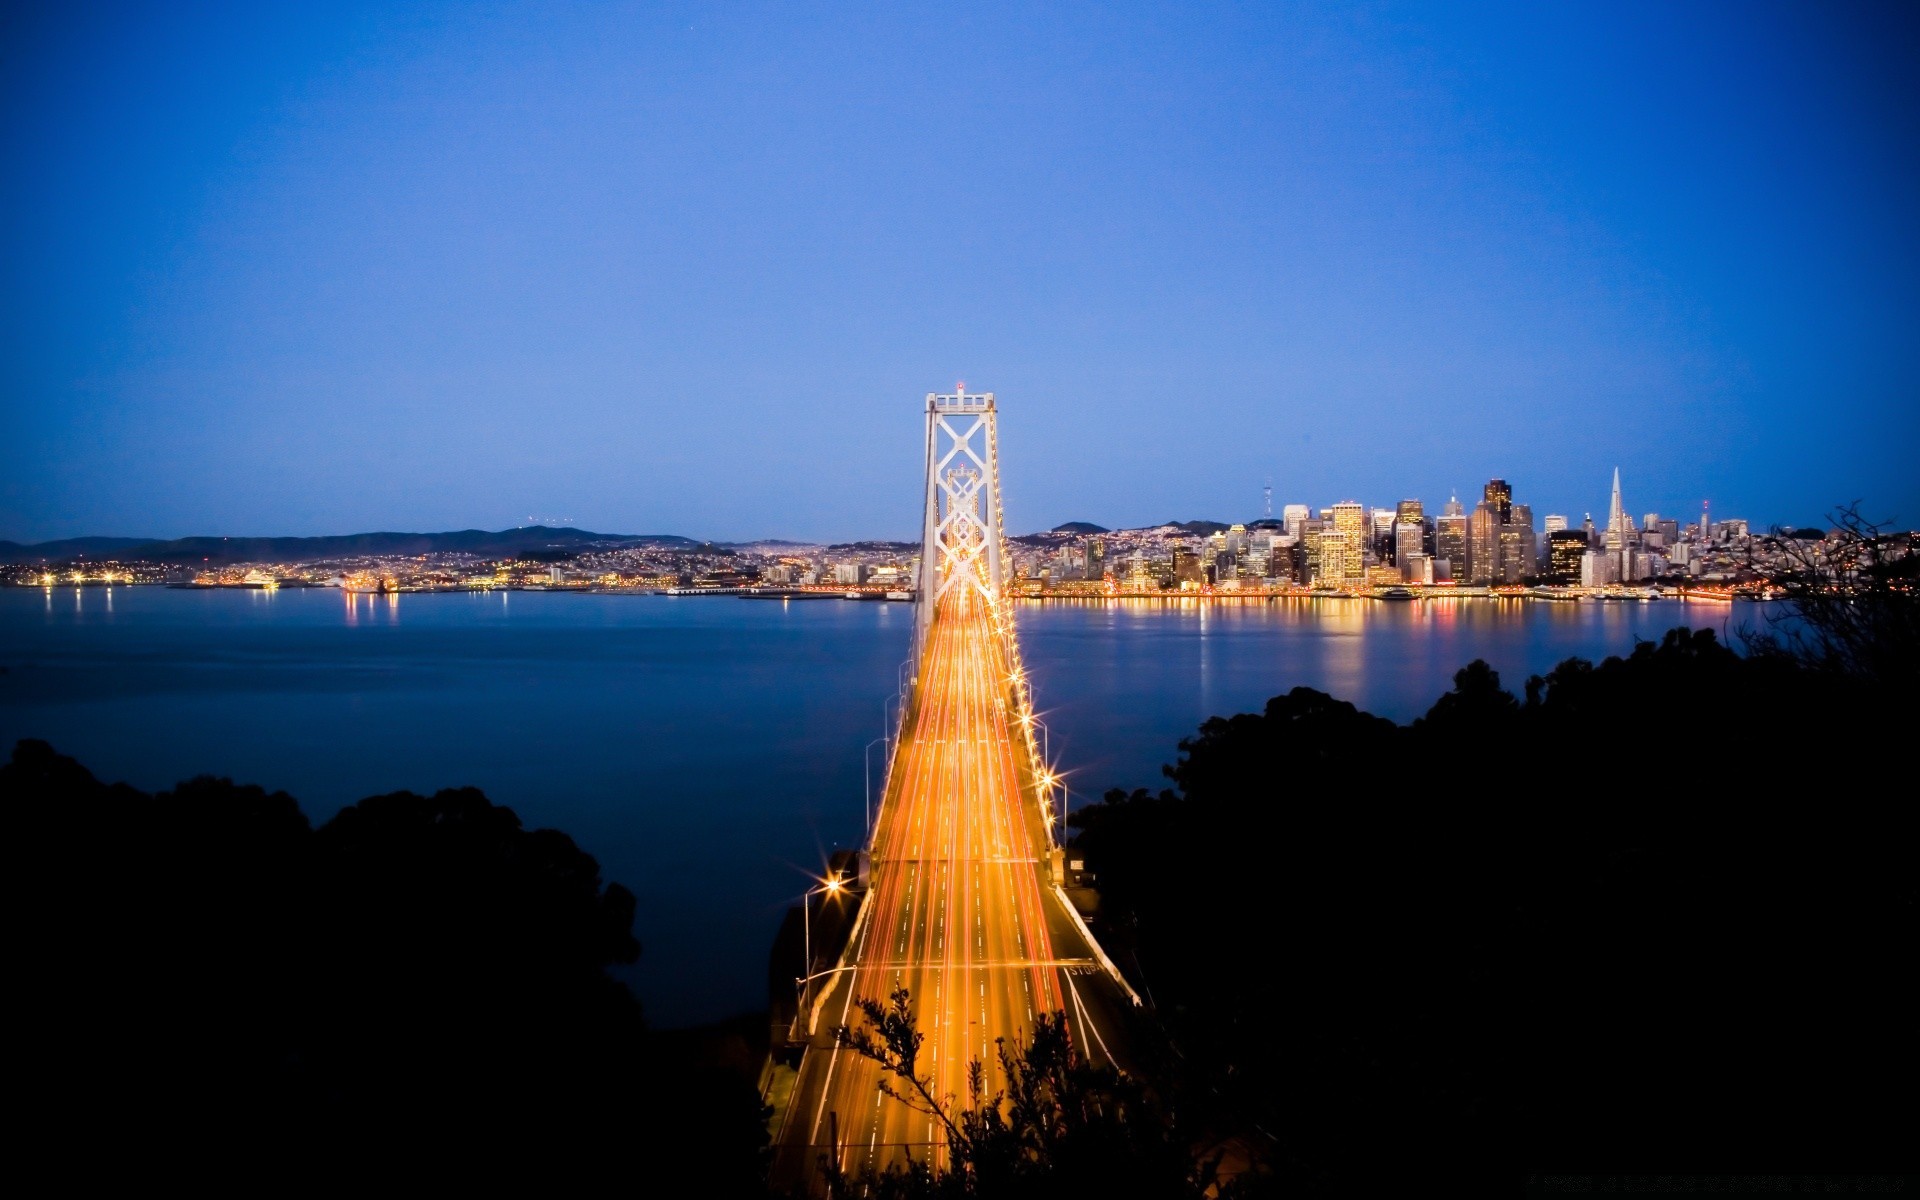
[
  {"x": 1598, "y": 568},
  {"x": 1565, "y": 549}
]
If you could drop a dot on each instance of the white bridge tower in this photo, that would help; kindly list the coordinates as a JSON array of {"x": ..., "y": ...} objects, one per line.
[{"x": 961, "y": 544}]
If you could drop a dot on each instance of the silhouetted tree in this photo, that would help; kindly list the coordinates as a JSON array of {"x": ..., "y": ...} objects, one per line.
[
  {"x": 1852, "y": 600},
  {"x": 1059, "y": 1129},
  {"x": 1600, "y": 925},
  {"x": 417, "y": 990}
]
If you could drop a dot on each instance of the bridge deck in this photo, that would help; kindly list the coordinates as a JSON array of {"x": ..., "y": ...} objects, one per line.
[{"x": 959, "y": 912}]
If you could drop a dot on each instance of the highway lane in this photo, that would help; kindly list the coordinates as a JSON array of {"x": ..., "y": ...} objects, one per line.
[{"x": 959, "y": 910}]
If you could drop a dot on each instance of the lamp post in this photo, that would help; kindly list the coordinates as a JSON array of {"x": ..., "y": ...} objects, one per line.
[{"x": 830, "y": 886}]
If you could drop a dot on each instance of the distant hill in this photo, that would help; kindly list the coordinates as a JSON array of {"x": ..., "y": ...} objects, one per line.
[
  {"x": 878, "y": 547},
  {"x": 1081, "y": 527},
  {"x": 66, "y": 548},
  {"x": 1200, "y": 527},
  {"x": 309, "y": 549}
]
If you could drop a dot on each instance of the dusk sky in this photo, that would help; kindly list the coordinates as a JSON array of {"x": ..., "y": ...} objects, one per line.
[{"x": 688, "y": 268}]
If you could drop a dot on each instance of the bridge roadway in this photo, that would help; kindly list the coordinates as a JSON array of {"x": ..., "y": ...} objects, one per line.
[{"x": 959, "y": 911}]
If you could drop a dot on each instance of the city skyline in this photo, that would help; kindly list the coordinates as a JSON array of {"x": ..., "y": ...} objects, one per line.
[{"x": 683, "y": 267}]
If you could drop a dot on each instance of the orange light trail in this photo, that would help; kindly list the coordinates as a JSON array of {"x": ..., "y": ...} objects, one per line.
[{"x": 958, "y": 912}]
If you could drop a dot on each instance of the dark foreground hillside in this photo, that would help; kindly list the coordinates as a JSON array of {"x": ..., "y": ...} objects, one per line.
[
  {"x": 1654, "y": 915},
  {"x": 210, "y": 991}
]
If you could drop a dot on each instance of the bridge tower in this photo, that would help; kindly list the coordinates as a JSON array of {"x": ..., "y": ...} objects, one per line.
[{"x": 963, "y": 533}]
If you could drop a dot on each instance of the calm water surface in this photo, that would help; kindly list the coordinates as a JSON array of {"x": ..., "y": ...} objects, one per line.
[{"x": 706, "y": 750}]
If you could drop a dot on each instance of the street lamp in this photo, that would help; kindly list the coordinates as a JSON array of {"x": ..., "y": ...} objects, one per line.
[{"x": 830, "y": 886}]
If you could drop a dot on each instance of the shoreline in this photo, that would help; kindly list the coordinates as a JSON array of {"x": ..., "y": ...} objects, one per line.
[{"x": 1548, "y": 595}]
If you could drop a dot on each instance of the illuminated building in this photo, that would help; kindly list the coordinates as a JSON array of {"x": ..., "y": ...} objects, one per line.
[
  {"x": 1565, "y": 549},
  {"x": 1500, "y": 543},
  {"x": 1310, "y": 533},
  {"x": 1411, "y": 534},
  {"x": 1499, "y": 493},
  {"x": 1186, "y": 567},
  {"x": 1518, "y": 556},
  {"x": 1450, "y": 540},
  {"x": 1382, "y": 535},
  {"x": 1350, "y": 519},
  {"x": 1620, "y": 530},
  {"x": 1483, "y": 542},
  {"x": 1334, "y": 554}
]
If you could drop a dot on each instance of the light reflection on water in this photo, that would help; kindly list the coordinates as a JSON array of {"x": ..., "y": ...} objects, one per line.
[
  {"x": 1124, "y": 680},
  {"x": 707, "y": 751}
]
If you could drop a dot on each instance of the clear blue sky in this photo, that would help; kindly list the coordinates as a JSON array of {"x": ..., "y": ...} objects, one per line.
[{"x": 690, "y": 268}]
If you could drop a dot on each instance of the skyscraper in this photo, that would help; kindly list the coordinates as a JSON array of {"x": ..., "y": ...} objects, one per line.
[
  {"x": 1409, "y": 530},
  {"x": 1350, "y": 518},
  {"x": 1565, "y": 549},
  {"x": 1294, "y": 516},
  {"x": 1335, "y": 550},
  {"x": 1311, "y": 529},
  {"x": 1499, "y": 493},
  {"x": 1519, "y": 554},
  {"x": 1450, "y": 539},
  {"x": 1500, "y": 541},
  {"x": 1620, "y": 530},
  {"x": 1483, "y": 542}
]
